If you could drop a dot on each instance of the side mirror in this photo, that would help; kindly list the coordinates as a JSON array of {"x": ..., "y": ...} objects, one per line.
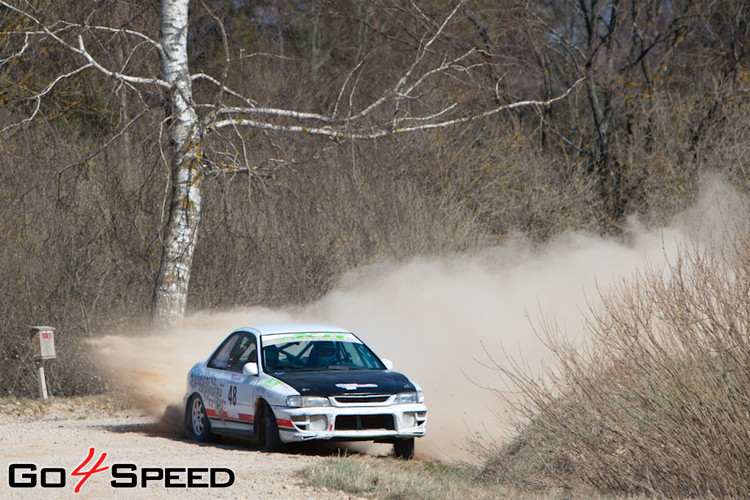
[
  {"x": 388, "y": 364},
  {"x": 250, "y": 369}
]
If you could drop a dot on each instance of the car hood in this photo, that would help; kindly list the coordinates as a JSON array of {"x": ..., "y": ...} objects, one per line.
[{"x": 335, "y": 382}]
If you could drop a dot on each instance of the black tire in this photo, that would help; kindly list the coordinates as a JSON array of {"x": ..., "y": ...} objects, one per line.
[
  {"x": 197, "y": 420},
  {"x": 404, "y": 448},
  {"x": 259, "y": 426},
  {"x": 274, "y": 443}
]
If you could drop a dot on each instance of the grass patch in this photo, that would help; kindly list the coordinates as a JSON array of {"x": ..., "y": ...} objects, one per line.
[
  {"x": 77, "y": 407},
  {"x": 389, "y": 478}
]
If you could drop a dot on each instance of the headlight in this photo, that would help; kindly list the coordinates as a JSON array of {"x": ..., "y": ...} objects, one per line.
[
  {"x": 408, "y": 398},
  {"x": 306, "y": 401}
]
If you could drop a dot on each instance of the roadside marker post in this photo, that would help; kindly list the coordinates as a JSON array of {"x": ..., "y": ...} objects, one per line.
[{"x": 43, "y": 347}]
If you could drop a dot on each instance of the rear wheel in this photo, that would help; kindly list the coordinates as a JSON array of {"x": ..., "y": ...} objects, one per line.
[
  {"x": 404, "y": 448},
  {"x": 200, "y": 427}
]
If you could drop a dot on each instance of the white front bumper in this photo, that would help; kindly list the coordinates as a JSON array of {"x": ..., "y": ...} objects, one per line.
[{"x": 351, "y": 423}]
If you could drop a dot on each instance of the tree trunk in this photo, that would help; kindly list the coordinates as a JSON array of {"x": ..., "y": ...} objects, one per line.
[{"x": 185, "y": 137}]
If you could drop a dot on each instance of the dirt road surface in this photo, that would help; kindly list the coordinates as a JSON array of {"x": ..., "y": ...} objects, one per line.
[{"x": 60, "y": 436}]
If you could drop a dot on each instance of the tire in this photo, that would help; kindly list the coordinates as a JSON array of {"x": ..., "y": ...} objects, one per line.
[
  {"x": 404, "y": 448},
  {"x": 197, "y": 420},
  {"x": 259, "y": 426},
  {"x": 274, "y": 444}
]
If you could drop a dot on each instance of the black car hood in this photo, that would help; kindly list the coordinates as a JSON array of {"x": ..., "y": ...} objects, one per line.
[{"x": 337, "y": 382}]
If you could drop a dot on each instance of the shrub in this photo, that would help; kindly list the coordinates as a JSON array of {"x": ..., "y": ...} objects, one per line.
[{"x": 656, "y": 402}]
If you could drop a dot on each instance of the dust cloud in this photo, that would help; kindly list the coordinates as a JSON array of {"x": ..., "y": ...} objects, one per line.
[{"x": 438, "y": 319}]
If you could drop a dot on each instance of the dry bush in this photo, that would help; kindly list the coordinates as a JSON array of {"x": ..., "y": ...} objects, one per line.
[
  {"x": 287, "y": 239},
  {"x": 656, "y": 403},
  {"x": 672, "y": 140},
  {"x": 498, "y": 171},
  {"x": 77, "y": 242}
]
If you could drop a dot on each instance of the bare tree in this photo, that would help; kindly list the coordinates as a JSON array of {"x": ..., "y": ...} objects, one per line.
[
  {"x": 400, "y": 108},
  {"x": 628, "y": 50}
]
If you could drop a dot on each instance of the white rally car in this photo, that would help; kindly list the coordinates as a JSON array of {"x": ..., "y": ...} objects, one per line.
[{"x": 309, "y": 382}]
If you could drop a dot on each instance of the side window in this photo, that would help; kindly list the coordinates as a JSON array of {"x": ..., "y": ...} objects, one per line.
[
  {"x": 237, "y": 350},
  {"x": 244, "y": 352},
  {"x": 220, "y": 360}
]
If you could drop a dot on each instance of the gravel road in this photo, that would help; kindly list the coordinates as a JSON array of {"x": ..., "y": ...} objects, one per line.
[{"x": 60, "y": 436}]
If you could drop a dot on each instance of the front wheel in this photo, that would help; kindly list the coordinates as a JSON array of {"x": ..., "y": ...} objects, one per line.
[
  {"x": 404, "y": 448},
  {"x": 200, "y": 427},
  {"x": 273, "y": 440}
]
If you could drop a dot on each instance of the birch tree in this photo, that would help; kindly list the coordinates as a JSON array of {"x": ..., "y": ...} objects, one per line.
[{"x": 190, "y": 123}]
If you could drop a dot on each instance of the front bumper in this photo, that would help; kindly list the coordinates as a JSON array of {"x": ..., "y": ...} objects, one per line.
[{"x": 351, "y": 423}]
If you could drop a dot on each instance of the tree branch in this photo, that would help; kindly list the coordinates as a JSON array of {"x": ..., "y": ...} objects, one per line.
[
  {"x": 299, "y": 115},
  {"x": 342, "y": 131},
  {"x": 38, "y": 97},
  {"x": 109, "y": 29},
  {"x": 20, "y": 52},
  {"x": 81, "y": 49},
  {"x": 397, "y": 89},
  {"x": 119, "y": 76},
  {"x": 223, "y": 88}
]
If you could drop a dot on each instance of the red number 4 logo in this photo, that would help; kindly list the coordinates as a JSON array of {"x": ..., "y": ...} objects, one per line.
[{"x": 88, "y": 473}]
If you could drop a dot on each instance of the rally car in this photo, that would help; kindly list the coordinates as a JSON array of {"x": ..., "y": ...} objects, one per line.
[{"x": 290, "y": 383}]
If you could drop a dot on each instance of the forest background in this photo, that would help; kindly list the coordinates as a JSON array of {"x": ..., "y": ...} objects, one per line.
[{"x": 85, "y": 183}]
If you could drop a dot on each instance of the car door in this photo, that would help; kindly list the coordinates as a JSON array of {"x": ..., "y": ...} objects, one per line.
[{"x": 233, "y": 408}]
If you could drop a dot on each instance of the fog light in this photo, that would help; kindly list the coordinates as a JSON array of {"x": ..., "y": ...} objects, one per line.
[{"x": 409, "y": 420}]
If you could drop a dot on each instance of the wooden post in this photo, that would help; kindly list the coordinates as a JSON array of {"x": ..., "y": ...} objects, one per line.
[
  {"x": 42, "y": 380},
  {"x": 43, "y": 347}
]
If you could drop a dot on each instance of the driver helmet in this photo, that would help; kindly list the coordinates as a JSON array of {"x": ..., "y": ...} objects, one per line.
[{"x": 324, "y": 352}]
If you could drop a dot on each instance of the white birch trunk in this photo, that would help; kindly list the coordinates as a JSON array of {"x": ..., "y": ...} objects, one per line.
[{"x": 185, "y": 136}]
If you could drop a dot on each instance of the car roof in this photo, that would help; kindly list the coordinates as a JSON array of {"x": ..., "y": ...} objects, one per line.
[{"x": 294, "y": 328}]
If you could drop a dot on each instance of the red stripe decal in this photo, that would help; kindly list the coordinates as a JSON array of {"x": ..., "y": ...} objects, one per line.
[
  {"x": 243, "y": 417},
  {"x": 285, "y": 423}
]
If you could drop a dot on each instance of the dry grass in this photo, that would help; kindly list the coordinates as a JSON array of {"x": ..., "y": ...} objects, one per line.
[
  {"x": 657, "y": 403},
  {"x": 374, "y": 477},
  {"x": 76, "y": 407}
]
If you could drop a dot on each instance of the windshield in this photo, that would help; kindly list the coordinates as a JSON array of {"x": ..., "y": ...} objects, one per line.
[{"x": 317, "y": 351}]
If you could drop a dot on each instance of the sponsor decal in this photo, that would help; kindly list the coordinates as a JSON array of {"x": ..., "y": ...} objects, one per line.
[
  {"x": 278, "y": 338},
  {"x": 271, "y": 382},
  {"x": 354, "y": 387},
  {"x": 122, "y": 475},
  {"x": 207, "y": 384}
]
